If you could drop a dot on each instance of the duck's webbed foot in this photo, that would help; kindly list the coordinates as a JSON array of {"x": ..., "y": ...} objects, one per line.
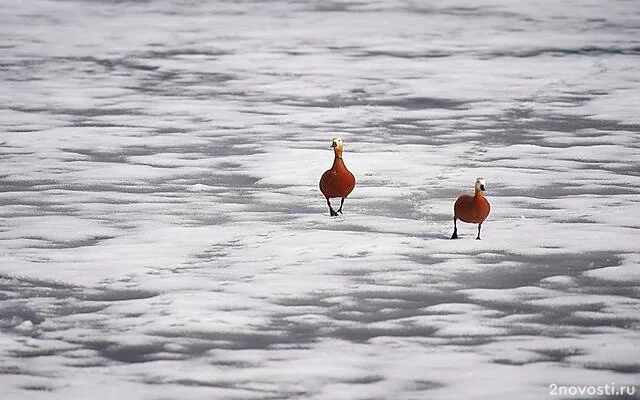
[
  {"x": 331, "y": 210},
  {"x": 341, "y": 203}
]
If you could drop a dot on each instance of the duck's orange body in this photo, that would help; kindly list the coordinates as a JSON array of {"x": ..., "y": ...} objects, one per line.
[
  {"x": 337, "y": 181},
  {"x": 471, "y": 209}
]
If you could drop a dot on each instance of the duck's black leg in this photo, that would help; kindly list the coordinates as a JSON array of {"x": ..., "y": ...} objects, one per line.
[
  {"x": 341, "y": 203},
  {"x": 479, "y": 226},
  {"x": 455, "y": 229},
  {"x": 331, "y": 211}
]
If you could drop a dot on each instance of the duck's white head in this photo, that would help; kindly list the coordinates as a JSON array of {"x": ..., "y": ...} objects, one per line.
[
  {"x": 480, "y": 187},
  {"x": 337, "y": 143}
]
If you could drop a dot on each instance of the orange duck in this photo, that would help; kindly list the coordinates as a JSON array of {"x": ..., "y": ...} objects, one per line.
[
  {"x": 337, "y": 181},
  {"x": 472, "y": 209}
]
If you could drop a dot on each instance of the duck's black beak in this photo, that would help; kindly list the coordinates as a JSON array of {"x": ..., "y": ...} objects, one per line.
[
  {"x": 334, "y": 144},
  {"x": 482, "y": 187}
]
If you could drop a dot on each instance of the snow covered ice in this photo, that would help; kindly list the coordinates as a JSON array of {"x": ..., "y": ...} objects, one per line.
[{"x": 163, "y": 235}]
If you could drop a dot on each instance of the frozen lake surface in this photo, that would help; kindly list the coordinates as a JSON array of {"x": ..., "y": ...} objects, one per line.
[{"x": 162, "y": 235}]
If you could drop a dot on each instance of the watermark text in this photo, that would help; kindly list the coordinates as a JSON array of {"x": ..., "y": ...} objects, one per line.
[{"x": 592, "y": 390}]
